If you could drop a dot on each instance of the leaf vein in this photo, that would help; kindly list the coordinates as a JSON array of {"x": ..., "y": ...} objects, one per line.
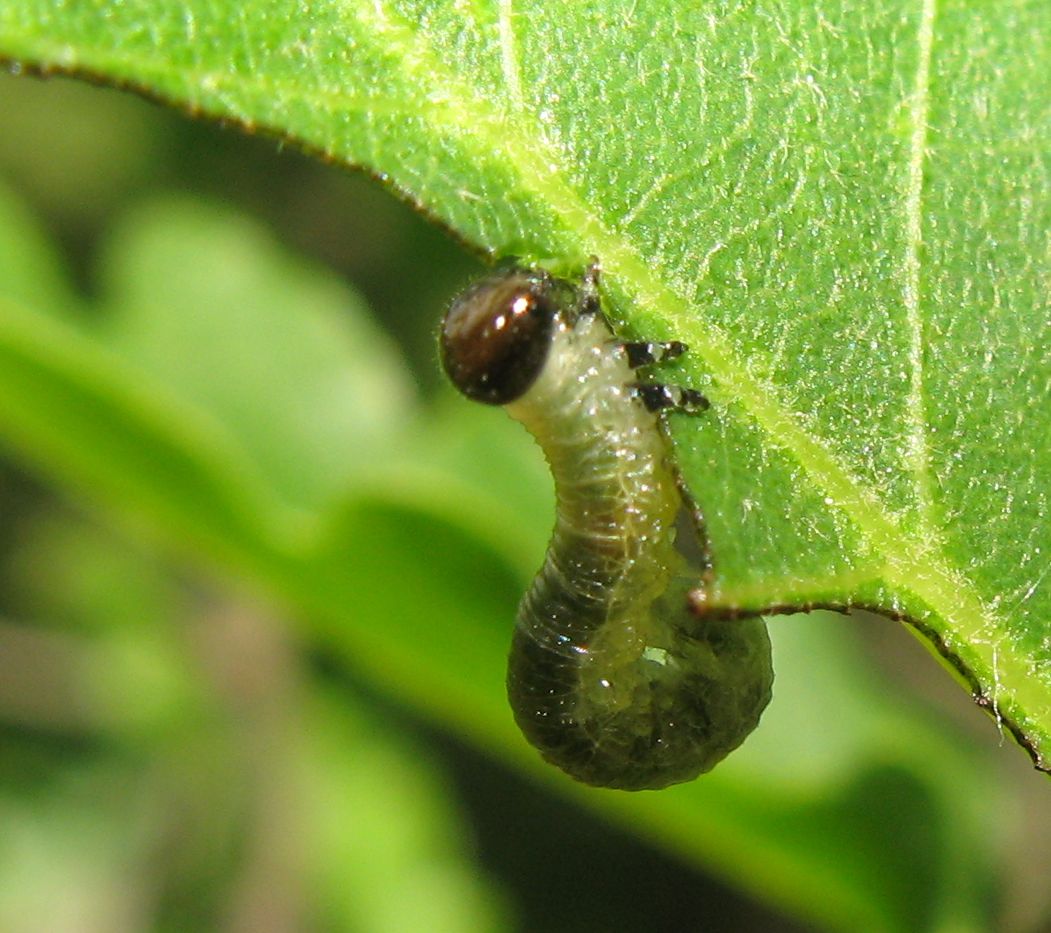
[
  {"x": 509, "y": 56},
  {"x": 917, "y": 454}
]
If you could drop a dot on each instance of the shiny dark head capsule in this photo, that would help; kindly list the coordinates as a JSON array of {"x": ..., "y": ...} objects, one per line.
[{"x": 496, "y": 335}]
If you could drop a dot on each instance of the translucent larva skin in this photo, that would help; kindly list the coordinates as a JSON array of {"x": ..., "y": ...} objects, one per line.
[{"x": 612, "y": 676}]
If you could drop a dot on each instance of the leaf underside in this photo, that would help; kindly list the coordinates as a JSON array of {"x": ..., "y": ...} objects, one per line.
[{"x": 841, "y": 207}]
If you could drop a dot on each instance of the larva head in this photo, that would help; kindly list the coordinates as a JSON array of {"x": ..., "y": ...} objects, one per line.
[{"x": 496, "y": 335}]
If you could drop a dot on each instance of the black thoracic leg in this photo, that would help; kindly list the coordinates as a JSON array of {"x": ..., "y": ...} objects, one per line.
[
  {"x": 669, "y": 398},
  {"x": 656, "y": 396},
  {"x": 589, "y": 297},
  {"x": 643, "y": 353}
]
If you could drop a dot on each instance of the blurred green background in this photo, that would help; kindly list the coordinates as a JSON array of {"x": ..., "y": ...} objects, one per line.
[{"x": 184, "y": 746}]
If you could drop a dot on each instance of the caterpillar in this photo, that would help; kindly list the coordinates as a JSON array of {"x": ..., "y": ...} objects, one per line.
[{"x": 614, "y": 675}]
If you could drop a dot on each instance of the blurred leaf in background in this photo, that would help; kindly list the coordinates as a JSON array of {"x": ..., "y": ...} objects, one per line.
[
  {"x": 209, "y": 783},
  {"x": 243, "y": 585}
]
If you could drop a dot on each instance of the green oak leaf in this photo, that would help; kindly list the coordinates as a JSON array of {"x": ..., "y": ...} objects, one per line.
[{"x": 842, "y": 207}]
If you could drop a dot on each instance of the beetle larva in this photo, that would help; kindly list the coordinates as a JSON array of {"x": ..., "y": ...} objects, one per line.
[{"x": 612, "y": 675}]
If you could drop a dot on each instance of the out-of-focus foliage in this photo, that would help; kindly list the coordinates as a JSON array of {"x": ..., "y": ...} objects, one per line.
[
  {"x": 211, "y": 777},
  {"x": 274, "y": 534}
]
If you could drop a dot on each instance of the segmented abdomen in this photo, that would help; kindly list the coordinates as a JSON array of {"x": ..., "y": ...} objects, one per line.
[{"x": 612, "y": 676}]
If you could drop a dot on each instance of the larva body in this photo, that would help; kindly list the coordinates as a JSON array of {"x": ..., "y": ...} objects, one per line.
[{"x": 612, "y": 675}]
